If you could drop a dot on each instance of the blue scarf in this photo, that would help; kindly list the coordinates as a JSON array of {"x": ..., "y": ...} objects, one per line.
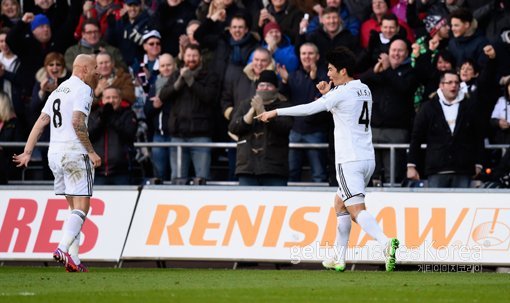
[{"x": 236, "y": 57}]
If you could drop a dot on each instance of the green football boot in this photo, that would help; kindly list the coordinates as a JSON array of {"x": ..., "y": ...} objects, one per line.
[{"x": 391, "y": 251}]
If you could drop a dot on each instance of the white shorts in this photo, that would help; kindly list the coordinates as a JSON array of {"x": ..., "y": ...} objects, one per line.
[
  {"x": 74, "y": 174},
  {"x": 353, "y": 178}
]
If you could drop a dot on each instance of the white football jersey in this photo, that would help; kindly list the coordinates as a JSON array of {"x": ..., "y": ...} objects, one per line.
[
  {"x": 351, "y": 107},
  {"x": 72, "y": 95}
]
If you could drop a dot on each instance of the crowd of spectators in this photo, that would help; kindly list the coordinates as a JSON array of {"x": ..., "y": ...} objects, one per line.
[{"x": 190, "y": 71}]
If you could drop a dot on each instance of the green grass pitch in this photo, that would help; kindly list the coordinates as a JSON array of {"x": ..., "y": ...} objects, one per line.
[{"x": 52, "y": 285}]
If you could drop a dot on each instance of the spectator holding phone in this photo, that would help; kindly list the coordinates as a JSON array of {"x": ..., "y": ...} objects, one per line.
[{"x": 46, "y": 81}]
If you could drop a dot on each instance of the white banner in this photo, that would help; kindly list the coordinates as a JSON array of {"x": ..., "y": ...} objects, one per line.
[
  {"x": 300, "y": 226},
  {"x": 31, "y": 223}
]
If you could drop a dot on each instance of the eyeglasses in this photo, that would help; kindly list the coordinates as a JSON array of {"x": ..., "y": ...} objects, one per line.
[
  {"x": 450, "y": 82},
  {"x": 154, "y": 43},
  {"x": 91, "y": 32}
]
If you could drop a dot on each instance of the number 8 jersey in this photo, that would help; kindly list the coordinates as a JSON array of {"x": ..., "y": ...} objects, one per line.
[{"x": 72, "y": 95}]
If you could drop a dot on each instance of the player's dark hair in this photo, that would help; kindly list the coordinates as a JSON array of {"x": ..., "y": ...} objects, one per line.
[{"x": 342, "y": 57}]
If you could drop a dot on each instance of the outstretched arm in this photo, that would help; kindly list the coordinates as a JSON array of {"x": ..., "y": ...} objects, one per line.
[
  {"x": 307, "y": 109},
  {"x": 82, "y": 133},
  {"x": 35, "y": 134},
  {"x": 266, "y": 116}
]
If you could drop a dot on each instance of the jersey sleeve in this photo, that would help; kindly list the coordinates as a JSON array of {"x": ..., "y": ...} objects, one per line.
[
  {"x": 330, "y": 99},
  {"x": 47, "y": 109},
  {"x": 302, "y": 110},
  {"x": 83, "y": 100}
]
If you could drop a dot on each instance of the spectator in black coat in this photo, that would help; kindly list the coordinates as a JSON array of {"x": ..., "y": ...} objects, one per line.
[
  {"x": 171, "y": 20},
  {"x": 330, "y": 35},
  {"x": 191, "y": 93},
  {"x": 450, "y": 126},
  {"x": 32, "y": 39},
  {"x": 500, "y": 118},
  {"x": 393, "y": 83},
  {"x": 285, "y": 14},
  {"x": 263, "y": 148},
  {"x": 112, "y": 130},
  {"x": 466, "y": 42},
  {"x": 10, "y": 13},
  {"x": 9, "y": 132}
]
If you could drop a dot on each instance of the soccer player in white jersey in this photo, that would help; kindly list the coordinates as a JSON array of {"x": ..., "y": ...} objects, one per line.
[
  {"x": 350, "y": 103},
  {"x": 71, "y": 156}
]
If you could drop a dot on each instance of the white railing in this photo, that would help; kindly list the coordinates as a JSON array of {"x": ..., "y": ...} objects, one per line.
[{"x": 181, "y": 145}]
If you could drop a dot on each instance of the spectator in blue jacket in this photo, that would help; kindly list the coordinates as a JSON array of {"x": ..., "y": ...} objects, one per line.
[
  {"x": 279, "y": 46},
  {"x": 349, "y": 21},
  {"x": 126, "y": 33}
]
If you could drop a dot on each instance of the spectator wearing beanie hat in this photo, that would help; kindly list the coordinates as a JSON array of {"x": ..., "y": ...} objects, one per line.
[
  {"x": 39, "y": 20},
  {"x": 268, "y": 76},
  {"x": 263, "y": 148},
  {"x": 63, "y": 17},
  {"x": 282, "y": 51},
  {"x": 31, "y": 39},
  {"x": 434, "y": 24}
]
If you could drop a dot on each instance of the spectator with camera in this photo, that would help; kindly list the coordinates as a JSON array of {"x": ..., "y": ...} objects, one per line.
[
  {"x": 112, "y": 131},
  {"x": 332, "y": 34},
  {"x": 47, "y": 79},
  {"x": 285, "y": 14}
]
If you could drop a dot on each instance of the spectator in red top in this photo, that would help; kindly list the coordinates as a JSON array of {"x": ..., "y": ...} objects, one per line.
[
  {"x": 101, "y": 10},
  {"x": 379, "y": 9}
]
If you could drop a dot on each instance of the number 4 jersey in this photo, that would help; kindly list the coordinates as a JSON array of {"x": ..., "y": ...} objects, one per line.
[
  {"x": 351, "y": 107},
  {"x": 70, "y": 96}
]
